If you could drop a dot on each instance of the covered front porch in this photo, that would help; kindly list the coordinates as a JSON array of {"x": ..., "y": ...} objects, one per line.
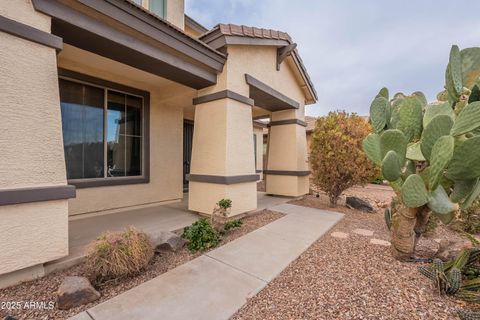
[{"x": 152, "y": 220}]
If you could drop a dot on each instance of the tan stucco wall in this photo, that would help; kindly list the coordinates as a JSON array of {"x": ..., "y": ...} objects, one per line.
[
  {"x": 222, "y": 146},
  {"x": 191, "y": 32},
  {"x": 176, "y": 12},
  {"x": 33, "y": 233},
  {"x": 31, "y": 145},
  {"x": 223, "y": 143},
  {"x": 166, "y": 132}
]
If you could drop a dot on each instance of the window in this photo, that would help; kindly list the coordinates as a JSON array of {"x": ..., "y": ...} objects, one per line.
[
  {"x": 157, "y": 7},
  {"x": 103, "y": 133}
]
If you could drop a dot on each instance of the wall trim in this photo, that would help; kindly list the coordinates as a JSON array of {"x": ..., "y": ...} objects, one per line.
[
  {"x": 258, "y": 171},
  {"x": 287, "y": 173},
  {"x": 223, "y": 179},
  {"x": 222, "y": 95},
  {"x": 29, "y": 33},
  {"x": 288, "y": 121},
  {"x": 267, "y": 97},
  {"x": 36, "y": 194}
]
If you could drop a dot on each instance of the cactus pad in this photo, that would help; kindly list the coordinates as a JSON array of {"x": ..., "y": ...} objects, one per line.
[
  {"x": 468, "y": 120},
  {"x": 472, "y": 196},
  {"x": 414, "y": 152},
  {"x": 470, "y": 66},
  {"x": 391, "y": 168},
  {"x": 433, "y": 110},
  {"x": 394, "y": 139},
  {"x": 454, "y": 72},
  {"x": 421, "y": 97},
  {"x": 438, "y": 127},
  {"x": 441, "y": 205},
  {"x": 461, "y": 189},
  {"x": 378, "y": 114},
  {"x": 465, "y": 164},
  {"x": 414, "y": 194},
  {"x": 371, "y": 147},
  {"x": 442, "y": 153},
  {"x": 383, "y": 93},
  {"x": 408, "y": 117}
]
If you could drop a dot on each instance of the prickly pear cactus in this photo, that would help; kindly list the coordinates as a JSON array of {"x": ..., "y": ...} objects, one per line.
[{"x": 430, "y": 153}]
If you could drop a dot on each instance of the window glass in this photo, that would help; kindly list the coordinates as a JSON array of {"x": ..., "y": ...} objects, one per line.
[
  {"x": 82, "y": 123},
  {"x": 116, "y": 134},
  {"x": 124, "y": 140},
  {"x": 83, "y": 115},
  {"x": 157, "y": 7}
]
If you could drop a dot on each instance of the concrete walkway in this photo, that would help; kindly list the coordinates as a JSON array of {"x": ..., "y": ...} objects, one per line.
[{"x": 215, "y": 285}]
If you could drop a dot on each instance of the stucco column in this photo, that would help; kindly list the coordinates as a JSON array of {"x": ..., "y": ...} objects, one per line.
[
  {"x": 287, "y": 167},
  {"x": 33, "y": 186},
  {"x": 223, "y": 158}
]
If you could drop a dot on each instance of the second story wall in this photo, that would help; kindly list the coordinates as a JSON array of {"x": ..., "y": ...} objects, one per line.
[{"x": 171, "y": 10}]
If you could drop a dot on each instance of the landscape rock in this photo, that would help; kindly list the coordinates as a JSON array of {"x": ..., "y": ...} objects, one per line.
[
  {"x": 449, "y": 249},
  {"x": 359, "y": 204},
  {"x": 166, "y": 240},
  {"x": 74, "y": 292},
  {"x": 427, "y": 248}
]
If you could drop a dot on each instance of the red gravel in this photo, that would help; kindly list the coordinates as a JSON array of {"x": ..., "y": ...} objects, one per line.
[{"x": 349, "y": 279}]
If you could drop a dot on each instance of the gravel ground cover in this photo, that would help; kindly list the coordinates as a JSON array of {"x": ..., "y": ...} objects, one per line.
[
  {"x": 44, "y": 289},
  {"x": 350, "y": 278}
]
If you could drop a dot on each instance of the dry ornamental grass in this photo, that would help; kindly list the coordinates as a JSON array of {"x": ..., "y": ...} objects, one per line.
[{"x": 117, "y": 254}]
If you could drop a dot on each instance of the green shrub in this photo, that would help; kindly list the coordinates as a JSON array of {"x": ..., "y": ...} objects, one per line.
[
  {"x": 117, "y": 254},
  {"x": 201, "y": 236},
  {"x": 225, "y": 204},
  {"x": 232, "y": 224}
]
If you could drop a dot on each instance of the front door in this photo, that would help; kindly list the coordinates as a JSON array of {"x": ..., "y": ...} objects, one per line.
[{"x": 187, "y": 150}]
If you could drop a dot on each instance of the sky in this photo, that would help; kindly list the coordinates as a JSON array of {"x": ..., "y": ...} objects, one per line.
[{"x": 352, "y": 48}]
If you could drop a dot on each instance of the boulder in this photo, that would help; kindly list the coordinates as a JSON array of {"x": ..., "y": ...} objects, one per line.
[
  {"x": 74, "y": 292},
  {"x": 359, "y": 204},
  {"x": 166, "y": 240}
]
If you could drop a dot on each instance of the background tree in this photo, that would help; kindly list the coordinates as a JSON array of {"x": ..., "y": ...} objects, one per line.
[
  {"x": 336, "y": 157},
  {"x": 430, "y": 153}
]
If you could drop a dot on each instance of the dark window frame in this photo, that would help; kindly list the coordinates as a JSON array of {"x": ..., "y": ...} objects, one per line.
[{"x": 115, "y": 181}]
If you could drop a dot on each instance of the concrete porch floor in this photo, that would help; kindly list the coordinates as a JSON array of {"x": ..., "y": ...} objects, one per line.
[{"x": 167, "y": 217}]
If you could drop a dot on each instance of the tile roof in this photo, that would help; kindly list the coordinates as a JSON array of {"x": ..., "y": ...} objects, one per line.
[
  {"x": 244, "y": 31},
  {"x": 260, "y": 33}
]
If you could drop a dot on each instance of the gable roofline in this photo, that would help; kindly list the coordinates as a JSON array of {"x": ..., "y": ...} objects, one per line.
[
  {"x": 195, "y": 25},
  {"x": 225, "y": 34}
]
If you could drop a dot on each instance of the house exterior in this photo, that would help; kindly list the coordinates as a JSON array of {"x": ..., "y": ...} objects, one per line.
[{"x": 110, "y": 105}]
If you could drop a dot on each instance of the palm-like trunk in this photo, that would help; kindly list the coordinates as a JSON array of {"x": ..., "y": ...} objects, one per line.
[{"x": 408, "y": 225}]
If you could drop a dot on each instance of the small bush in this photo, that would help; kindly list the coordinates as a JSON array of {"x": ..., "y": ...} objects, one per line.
[
  {"x": 225, "y": 204},
  {"x": 336, "y": 157},
  {"x": 201, "y": 236},
  {"x": 117, "y": 254},
  {"x": 232, "y": 224}
]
